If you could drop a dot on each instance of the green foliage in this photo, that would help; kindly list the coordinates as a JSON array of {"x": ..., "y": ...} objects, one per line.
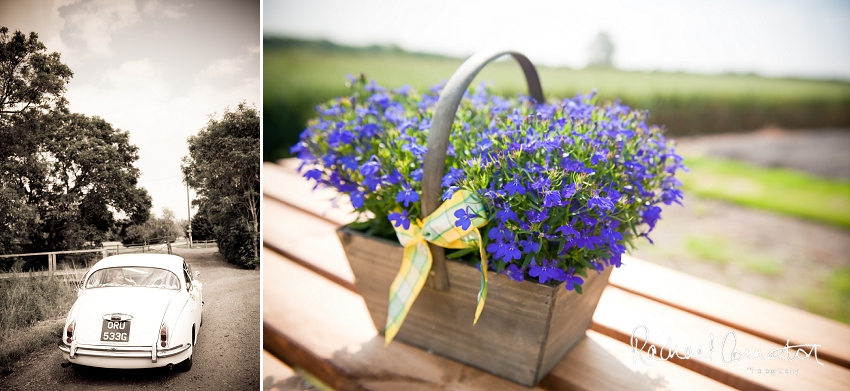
[
  {"x": 223, "y": 166},
  {"x": 298, "y": 76},
  {"x": 802, "y": 195}
]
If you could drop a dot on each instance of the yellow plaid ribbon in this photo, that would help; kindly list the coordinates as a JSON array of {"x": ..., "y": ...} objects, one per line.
[{"x": 438, "y": 228}]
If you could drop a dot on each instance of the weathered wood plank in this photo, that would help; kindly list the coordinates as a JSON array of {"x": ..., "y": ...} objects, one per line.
[
  {"x": 287, "y": 186},
  {"x": 663, "y": 326},
  {"x": 311, "y": 322},
  {"x": 325, "y": 329},
  {"x": 621, "y": 373},
  {"x": 300, "y": 235},
  {"x": 755, "y": 315},
  {"x": 277, "y": 376}
]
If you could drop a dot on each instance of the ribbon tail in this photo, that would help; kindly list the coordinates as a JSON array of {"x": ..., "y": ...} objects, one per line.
[
  {"x": 407, "y": 284},
  {"x": 482, "y": 293}
]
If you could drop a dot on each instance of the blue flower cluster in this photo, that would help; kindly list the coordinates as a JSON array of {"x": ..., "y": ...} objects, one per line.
[{"x": 568, "y": 185}]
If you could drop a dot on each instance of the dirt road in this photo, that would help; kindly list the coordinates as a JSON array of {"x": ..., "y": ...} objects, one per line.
[{"x": 227, "y": 356}]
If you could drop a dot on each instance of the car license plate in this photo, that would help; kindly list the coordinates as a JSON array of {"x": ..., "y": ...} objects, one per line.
[{"x": 115, "y": 331}]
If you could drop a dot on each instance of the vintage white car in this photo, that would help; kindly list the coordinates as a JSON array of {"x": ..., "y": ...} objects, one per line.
[{"x": 135, "y": 311}]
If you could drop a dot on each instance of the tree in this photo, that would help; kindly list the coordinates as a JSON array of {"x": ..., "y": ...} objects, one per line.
[
  {"x": 223, "y": 167},
  {"x": 154, "y": 230},
  {"x": 32, "y": 82},
  {"x": 66, "y": 176},
  {"x": 78, "y": 178},
  {"x": 202, "y": 229},
  {"x": 601, "y": 51}
]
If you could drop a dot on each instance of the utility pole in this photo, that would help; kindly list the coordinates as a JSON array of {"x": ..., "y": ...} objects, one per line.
[{"x": 189, "y": 209}]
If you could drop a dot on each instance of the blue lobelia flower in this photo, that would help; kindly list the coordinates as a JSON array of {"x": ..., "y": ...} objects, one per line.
[
  {"x": 546, "y": 271},
  {"x": 506, "y": 251},
  {"x": 464, "y": 218},
  {"x": 393, "y": 178},
  {"x": 499, "y": 233},
  {"x": 568, "y": 192},
  {"x": 416, "y": 175},
  {"x": 506, "y": 214},
  {"x": 529, "y": 246},
  {"x": 515, "y": 273},
  {"x": 616, "y": 259},
  {"x": 541, "y": 184},
  {"x": 572, "y": 279},
  {"x": 552, "y": 198},
  {"x": 407, "y": 195},
  {"x": 314, "y": 174},
  {"x": 400, "y": 219},
  {"x": 356, "y": 198},
  {"x": 651, "y": 216},
  {"x": 514, "y": 187},
  {"x": 452, "y": 177},
  {"x": 371, "y": 167},
  {"x": 567, "y": 231},
  {"x": 602, "y": 204},
  {"x": 535, "y": 217},
  {"x": 450, "y": 191},
  {"x": 348, "y": 162}
]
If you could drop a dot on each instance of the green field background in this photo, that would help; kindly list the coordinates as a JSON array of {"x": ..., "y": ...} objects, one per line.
[{"x": 298, "y": 75}]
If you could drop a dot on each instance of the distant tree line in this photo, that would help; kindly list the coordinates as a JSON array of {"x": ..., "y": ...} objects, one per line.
[
  {"x": 223, "y": 167},
  {"x": 64, "y": 177}
]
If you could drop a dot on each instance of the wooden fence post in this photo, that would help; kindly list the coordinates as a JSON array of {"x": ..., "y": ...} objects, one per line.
[{"x": 51, "y": 264}]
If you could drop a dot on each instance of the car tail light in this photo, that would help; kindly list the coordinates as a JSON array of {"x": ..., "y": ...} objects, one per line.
[
  {"x": 69, "y": 331},
  {"x": 163, "y": 335}
]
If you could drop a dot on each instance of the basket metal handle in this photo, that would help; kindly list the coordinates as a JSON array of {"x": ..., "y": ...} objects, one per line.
[{"x": 438, "y": 140}]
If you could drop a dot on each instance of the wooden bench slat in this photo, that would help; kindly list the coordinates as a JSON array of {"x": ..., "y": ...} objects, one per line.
[
  {"x": 300, "y": 235},
  {"x": 758, "y": 316},
  {"x": 278, "y": 376},
  {"x": 339, "y": 343},
  {"x": 622, "y": 373},
  {"x": 287, "y": 186},
  {"x": 326, "y": 329},
  {"x": 621, "y": 315},
  {"x": 739, "y": 310}
]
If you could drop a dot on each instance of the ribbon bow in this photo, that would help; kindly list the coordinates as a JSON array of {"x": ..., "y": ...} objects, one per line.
[{"x": 439, "y": 228}]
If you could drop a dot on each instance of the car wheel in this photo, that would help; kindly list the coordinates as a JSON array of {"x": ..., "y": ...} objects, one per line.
[{"x": 185, "y": 365}]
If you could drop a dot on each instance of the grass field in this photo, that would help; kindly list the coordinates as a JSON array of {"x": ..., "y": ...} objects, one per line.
[
  {"x": 32, "y": 313},
  {"x": 296, "y": 78},
  {"x": 783, "y": 191}
]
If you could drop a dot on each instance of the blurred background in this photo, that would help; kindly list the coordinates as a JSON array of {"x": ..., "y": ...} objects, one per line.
[{"x": 756, "y": 94}]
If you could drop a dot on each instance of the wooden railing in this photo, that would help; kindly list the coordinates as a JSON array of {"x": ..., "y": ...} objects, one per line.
[{"x": 51, "y": 259}]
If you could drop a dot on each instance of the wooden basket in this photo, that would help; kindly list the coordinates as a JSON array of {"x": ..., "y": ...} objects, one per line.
[{"x": 526, "y": 328}]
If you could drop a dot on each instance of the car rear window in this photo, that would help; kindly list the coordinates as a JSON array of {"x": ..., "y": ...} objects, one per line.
[{"x": 134, "y": 276}]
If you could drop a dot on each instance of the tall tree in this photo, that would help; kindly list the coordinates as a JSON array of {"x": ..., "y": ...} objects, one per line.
[
  {"x": 32, "y": 82},
  {"x": 223, "y": 166},
  {"x": 78, "y": 178},
  {"x": 65, "y": 176}
]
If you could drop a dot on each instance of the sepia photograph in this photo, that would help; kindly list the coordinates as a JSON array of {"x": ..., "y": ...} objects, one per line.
[{"x": 129, "y": 194}]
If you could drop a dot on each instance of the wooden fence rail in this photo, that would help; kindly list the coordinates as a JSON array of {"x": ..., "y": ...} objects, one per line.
[
  {"x": 51, "y": 257},
  {"x": 105, "y": 251}
]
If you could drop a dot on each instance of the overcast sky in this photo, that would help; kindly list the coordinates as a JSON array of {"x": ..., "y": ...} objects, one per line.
[
  {"x": 809, "y": 38},
  {"x": 155, "y": 68}
]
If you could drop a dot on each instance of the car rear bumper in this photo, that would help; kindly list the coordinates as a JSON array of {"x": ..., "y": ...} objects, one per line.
[{"x": 124, "y": 356}]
